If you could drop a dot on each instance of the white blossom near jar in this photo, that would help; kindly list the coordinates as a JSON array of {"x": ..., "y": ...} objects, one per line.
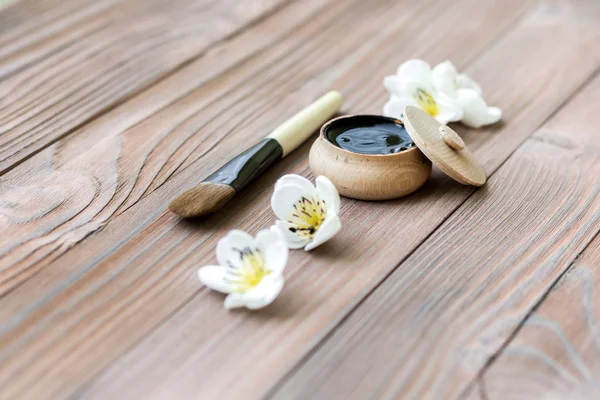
[
  {"x": 413, "y": 85},
  {"x": 442, "y": 92},
  {"x": 308, "y": 214}
]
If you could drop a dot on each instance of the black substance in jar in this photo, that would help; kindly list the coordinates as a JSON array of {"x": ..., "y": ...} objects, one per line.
[{"x": 369, "y": 134}]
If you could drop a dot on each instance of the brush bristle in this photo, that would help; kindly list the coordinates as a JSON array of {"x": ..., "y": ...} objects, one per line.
[{"x": 202, "y": 199}]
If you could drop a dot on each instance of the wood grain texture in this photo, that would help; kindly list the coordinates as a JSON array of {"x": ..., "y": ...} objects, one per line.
[
  {"x": 188, "y": 131},
  {"x": 455, "y": 301},
  {"x": 110, "y": 164},
  {"x": 200, "y": 340},
  {"x": 104, "y": 294},
  {"x": 202, "y": 132},
  {"x": 144, "y": 258},
  {"x": 476, "y": 392},
  {"x": 30, "y": 30},
  {"x": 434, "y": 138},
  {"x": 79, "y": 72},
  {"x": 556, "y": 354}
]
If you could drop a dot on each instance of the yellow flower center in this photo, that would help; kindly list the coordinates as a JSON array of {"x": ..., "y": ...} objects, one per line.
[
  {"x": 250, "y": 272},
  {"x": 308, "y": 216},
  {"x": 426, "y": 102}
]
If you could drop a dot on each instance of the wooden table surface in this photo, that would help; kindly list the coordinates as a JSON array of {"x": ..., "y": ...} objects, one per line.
[{"x": 109, "y": 108}]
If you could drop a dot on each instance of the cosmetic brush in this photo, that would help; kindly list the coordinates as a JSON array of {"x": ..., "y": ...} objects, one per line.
[{"x": 220, "y": 187}]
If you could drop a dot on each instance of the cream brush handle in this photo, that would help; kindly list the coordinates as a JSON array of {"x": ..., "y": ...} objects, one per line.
[{"x": 293, "y": 132}]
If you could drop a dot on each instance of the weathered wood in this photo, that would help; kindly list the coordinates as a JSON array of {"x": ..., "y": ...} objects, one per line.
[
  {"x": 77, "y": 73},
  {"x": 106, "y": 167},
  {"x": 476, "y": 392},
  {"x": 160, "y": 288},
  {"x": 33, "y": 29},
  {"x": 454, "y": 302},
  {"x": 189, "y": 131},
  {"x": 322, "y": 288},
  {"x": 132, "y": 185},
  {"x": 556, "y": 355},
  {"x": 132, "y": 271}
]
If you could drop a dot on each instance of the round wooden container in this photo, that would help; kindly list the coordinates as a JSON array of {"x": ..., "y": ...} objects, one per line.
[
  {"x": 368, "y": 176},
  {"x": 389, "y": 176}
]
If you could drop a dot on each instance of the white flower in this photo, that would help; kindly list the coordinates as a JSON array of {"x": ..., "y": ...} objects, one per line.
[
  {"x": 448, "y": 81},
  {"x": 476, "y": 111},
  {"x": 308, "y": 215},
  {"x": 467, "y": 93},
  {"x": 414, "y": 85},
  {"x": 442, "y": 92},
  {"x": 249, "y": 269}
]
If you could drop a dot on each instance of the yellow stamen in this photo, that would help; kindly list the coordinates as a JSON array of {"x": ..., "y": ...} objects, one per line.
[
  {"x": 308, "y": 216},
  {"x": 426, "y": 102},
  {"x": 251, "y": 271}
]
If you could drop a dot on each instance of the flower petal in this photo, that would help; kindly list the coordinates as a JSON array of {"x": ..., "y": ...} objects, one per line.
[
  {"x": 286, "y": 195},
  {"x": 393, "y": 84},
  {"x": 329, "y": 229},
  {"x": 410, "y": 90},
  {"x": 294, "y": 179},
  {"x": 464, "y": 81},
  {"x": 394, "y": 108},
  {"x": 292, "y": 240},
  {"x": 262, "y": 295},
  {"x": 235, "y": 300},
  {"x": 329, "y": 194},
  {"x": 266, "y": 291},
  {"x": 494, "y": 115},
  {"x": 226, "y": 248},
  {"x": 449, "y": 109},
  {"x": 213, "y": 276},
  {"x": 416, "y": 71},
  {"x": 474, "y": 107},
  {"x": 445, "y": 68},
  {"x": 274, "y": 249},
  {"x": 444, "y": 75}
]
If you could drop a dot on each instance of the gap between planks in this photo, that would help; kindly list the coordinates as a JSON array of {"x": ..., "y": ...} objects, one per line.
[
  {"x": 556, "y": 353},
  {"x": 571, "y": 101},
  {"x": 478, "y": 380},
  {"x": 33, "y": 139},
  {"x": 476, "y": 384},
  {"x": 95, "y": 137}
]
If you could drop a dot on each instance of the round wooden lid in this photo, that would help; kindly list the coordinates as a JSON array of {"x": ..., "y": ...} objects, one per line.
[{"x": 443, "y": 147}]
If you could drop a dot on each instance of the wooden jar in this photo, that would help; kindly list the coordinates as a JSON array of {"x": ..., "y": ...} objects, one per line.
[
  {"x": 368, "y": 176},
  {"x": 389, "y": 176}
]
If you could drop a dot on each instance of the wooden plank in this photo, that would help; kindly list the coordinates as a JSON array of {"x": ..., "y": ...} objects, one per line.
[
  {"x": 33, "y": 29},
  {"x": 82, "y": 194},
  {"x": 44, "y": 16},
  {"x": 315, "y": 298},
  {"x": 112, "y": 59},
  {"x": 355, "y": 69},
  {"x": 112, "y": 198},
  {"x": 453, "y": 303},
  {"x": 555, "y": 354},
  {"x": 71, "y": 148},
  {"x": 476, "y": 392}
]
